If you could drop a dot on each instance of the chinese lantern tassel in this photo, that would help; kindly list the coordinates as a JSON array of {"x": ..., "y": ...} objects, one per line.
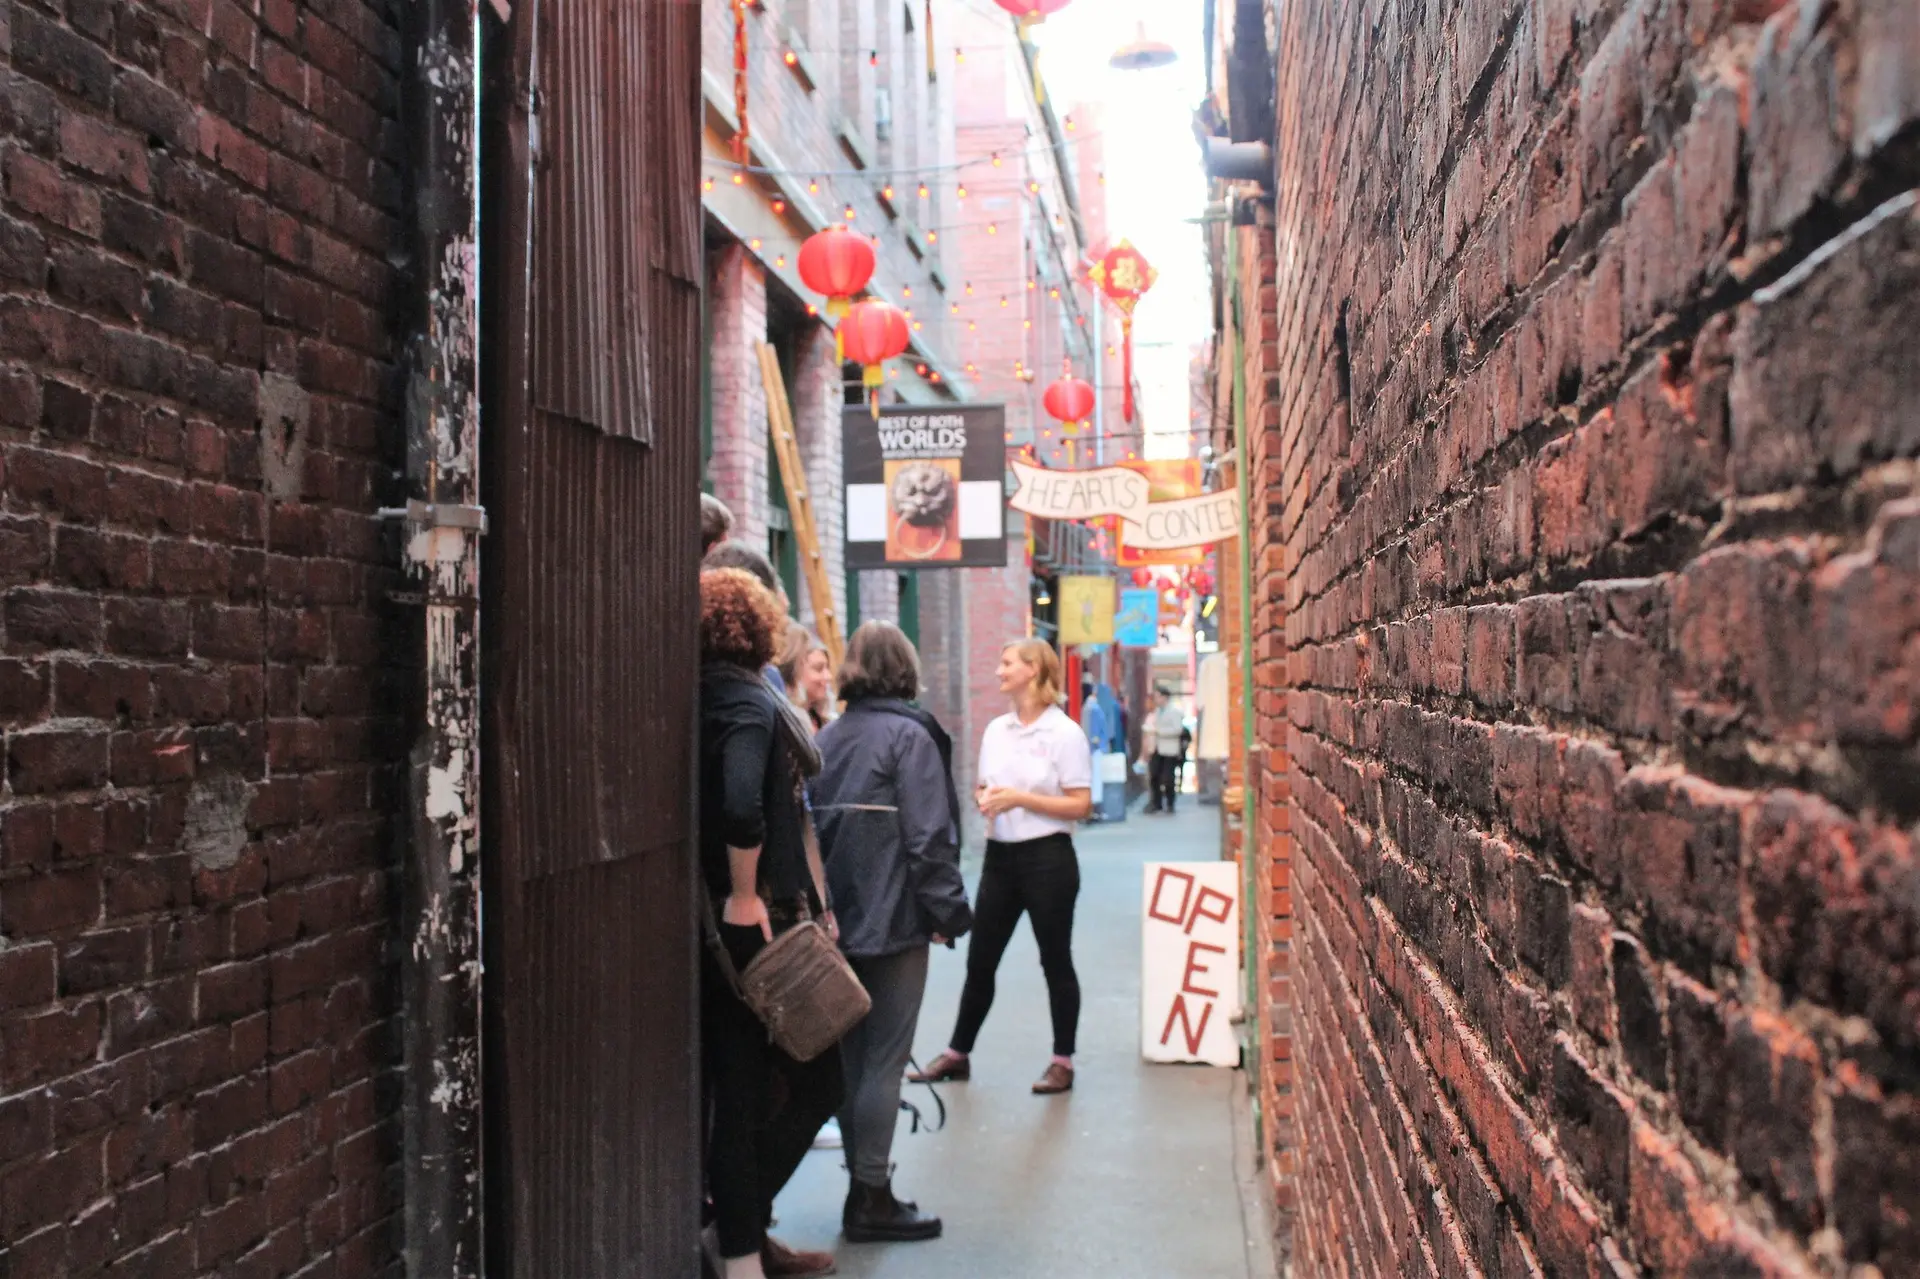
[
  {"x": 740, "y": 134},
  {"x": 1126, "y": 369}
]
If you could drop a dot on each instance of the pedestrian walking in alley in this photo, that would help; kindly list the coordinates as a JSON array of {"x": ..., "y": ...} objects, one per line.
[
  {"x": 756, "y": 752},
  {"x": 1163, "y": 743},
  {"x": 1035, "y": 781},
  {"x": 889, "y": 824}
]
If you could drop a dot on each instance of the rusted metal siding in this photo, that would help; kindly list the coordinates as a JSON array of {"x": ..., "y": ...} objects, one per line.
[{"x": 591, "y": 624}]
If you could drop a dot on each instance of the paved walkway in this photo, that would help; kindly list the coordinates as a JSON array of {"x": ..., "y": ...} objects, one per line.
[{"x": 1131, "y": 1176}]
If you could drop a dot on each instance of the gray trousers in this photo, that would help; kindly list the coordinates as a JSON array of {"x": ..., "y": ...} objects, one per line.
[{"x": 874, "y": 1059}]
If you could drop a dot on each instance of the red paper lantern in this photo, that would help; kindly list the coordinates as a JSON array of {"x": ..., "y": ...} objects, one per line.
[
  {"x": 871, "y": 334},
  {"x": 1069, "y": 400},
  {"x": 1143, "y": 577},
  {"x": 1031, "y": 11},
  {"x": 838, "y": 263},
  {"x": 1124, "y": 275}
]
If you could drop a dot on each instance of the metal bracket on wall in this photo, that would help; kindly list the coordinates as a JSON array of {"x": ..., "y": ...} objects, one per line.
[{"x": 438, "y": 515}]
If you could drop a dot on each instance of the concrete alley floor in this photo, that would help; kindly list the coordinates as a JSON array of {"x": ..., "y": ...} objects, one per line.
[{"x": 1130, "y": 1176}]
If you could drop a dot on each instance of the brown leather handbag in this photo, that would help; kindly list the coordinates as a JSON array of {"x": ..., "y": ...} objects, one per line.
[{"x": 800, "y": 986}]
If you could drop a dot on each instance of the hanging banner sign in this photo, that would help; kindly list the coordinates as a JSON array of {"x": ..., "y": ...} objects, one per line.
[
  {"x": 1115, "y": 490},
  {"x": 1190, "y": 962},
  {"x": 1137, "y": 625},
  {"x": 1086, "y": 610}
]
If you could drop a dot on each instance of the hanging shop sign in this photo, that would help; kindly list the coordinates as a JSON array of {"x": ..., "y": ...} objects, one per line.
[
  {"x": 1189, "y": 962},
  {"x": 1115, "y": 490},
  {"x": 926, "y": 486},
  {"x": 1086, "y": 610},
  {"x": 1137, "y": 624}
]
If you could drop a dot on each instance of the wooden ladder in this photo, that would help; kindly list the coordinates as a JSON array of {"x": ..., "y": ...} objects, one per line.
[{"x": 793, "y": 477}]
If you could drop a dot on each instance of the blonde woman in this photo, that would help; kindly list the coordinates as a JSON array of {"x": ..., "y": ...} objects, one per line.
[{"x": 1034, "y": 782}]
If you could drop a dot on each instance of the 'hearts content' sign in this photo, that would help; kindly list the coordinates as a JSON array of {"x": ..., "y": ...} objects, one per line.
[{"x": 1115, "y": 490}]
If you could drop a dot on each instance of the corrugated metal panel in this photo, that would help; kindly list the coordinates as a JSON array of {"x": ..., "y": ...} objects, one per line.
[
  {"x": 590, "y": 618},
  {"x": 593, "y": 211}
]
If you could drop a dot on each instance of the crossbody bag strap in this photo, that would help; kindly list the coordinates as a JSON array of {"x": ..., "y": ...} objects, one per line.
[{"x": 710, "y": 925}]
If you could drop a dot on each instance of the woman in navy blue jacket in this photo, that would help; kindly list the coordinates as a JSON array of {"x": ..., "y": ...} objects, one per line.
[{"x": 889, "y": 823}]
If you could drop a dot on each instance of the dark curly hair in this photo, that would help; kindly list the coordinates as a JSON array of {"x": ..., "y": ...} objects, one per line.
[{"x": 739, "y": 619}]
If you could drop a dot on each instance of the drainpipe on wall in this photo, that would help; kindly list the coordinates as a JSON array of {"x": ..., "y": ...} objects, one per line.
[{"x": 442, "y": 525}]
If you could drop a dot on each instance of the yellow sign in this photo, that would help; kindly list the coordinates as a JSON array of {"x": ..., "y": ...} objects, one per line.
[{"x": 1086, "y": 610}]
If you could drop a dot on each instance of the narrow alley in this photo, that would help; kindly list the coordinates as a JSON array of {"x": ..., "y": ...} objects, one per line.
[
  {"x": 1132, "y": 1175},
  {"x": 513, "y": 512}
]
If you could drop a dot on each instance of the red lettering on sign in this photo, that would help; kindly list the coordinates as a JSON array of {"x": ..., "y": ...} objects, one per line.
[
  {"x": 1194, "y": 1034},
  {"x": 1195, "y": 966},
  {"x": 1179, "y": 916},
  {"x": 1200, "y": 910}
]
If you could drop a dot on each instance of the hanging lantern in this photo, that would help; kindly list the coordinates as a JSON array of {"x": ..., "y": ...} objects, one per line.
[
  {"x": 1029, "y": 13},
  {"x": 740, "y": 133},
  {"x": 871, "y": 334},
  {"x": 838, "y": 263},
  {"x": 1125, "y": 275},
  {"x": 1143, "y": 577},
  {"x": 1069, "y": 400}
]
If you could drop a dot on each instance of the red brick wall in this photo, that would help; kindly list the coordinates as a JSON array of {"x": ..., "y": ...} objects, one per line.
[
  {"x": 198, "y": 415},
  {"x": 1601, "y": 548},
  {"x": 1267, "y": 772}
]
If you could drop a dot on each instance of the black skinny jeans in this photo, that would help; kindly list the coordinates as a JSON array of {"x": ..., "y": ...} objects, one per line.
[
  {"x": 765, "y": 1108},
  {"x": 1042, "y": 878}
]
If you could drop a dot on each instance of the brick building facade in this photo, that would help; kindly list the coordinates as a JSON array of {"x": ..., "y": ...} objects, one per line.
[
  {"x": 1590, "y": 519},
  {"x": 200, "y": 700}
]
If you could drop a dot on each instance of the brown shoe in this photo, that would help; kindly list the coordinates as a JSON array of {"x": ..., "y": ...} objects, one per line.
[
  {"x": 948, "y": 1065},
  {"x": 1057, "y": 1079},
  {"x": 782, "y": 1262}
]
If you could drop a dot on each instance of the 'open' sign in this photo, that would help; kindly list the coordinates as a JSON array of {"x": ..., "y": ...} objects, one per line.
[{"x": 1190, "y": 962}]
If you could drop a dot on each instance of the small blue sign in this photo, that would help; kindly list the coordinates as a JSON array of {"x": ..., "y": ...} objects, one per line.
[{"x": 1137, "y": 624}]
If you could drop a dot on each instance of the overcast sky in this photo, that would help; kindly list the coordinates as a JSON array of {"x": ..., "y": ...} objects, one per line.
[{"x": 1154, "y": 181}]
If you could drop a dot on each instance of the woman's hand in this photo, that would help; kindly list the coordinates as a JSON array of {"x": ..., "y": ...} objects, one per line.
[
  {"x": 995, "y": 800},
  {"x": 746, "y": 910}
]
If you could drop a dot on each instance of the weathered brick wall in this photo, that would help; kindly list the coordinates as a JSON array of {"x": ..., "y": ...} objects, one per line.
[
  {"x": 1601, "y": 524},
  {"x": 198, "y": 416},
  {"x": 1267, "y": 773}
]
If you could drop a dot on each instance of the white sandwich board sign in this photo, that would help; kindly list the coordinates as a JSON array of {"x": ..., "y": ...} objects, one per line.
[{"x": 1190, "y": 962}]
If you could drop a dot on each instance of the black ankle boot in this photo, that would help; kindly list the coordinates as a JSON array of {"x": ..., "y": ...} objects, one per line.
[{"x": 873, "y": 1215}]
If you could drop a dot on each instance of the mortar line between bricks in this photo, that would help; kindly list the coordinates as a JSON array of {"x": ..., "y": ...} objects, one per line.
[{"x": 1681, "y": 327}]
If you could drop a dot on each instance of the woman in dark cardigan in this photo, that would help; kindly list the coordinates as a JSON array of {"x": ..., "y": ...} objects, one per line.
[
  {"x": 755, "y": 754},
  {"x": 890, "y": 838}
]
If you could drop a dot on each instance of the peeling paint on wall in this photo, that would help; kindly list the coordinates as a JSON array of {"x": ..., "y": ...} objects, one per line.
[
  {"x": 285, "y": 409},
  {"x": 216, "y": 825}
]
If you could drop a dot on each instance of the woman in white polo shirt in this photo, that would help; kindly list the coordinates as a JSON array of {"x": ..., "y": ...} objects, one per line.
[{"x": 1033, "y": 784}]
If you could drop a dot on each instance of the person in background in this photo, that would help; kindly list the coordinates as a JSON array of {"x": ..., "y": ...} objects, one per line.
[
  {"x": 1035, "y": 780},
  {"x": 1093, "y": 721},
  {"x": 716, "y": 521},
  {"x": 756, "y": 752},
  {"x": 807, "y": 671},
  {"x": 890, "y": 837},
  {"x": 738, "y": 555},
  {"x": 1160, "y": 746}
]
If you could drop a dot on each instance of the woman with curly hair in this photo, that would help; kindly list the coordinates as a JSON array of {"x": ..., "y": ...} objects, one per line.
[{"x": 756, "y": 752}]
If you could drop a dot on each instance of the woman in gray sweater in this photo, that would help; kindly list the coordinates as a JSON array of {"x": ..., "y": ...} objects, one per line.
[{"x": 889, "y": 824}]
